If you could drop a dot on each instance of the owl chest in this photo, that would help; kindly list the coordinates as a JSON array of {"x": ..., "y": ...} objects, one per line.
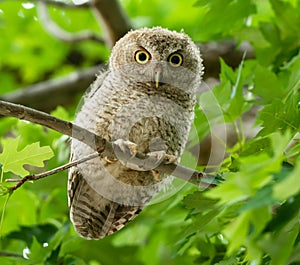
[{"x": 153, "y": 122}]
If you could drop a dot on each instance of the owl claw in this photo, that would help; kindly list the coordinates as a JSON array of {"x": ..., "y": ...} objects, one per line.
[
  {"x": 126, "y": 146},
  {"x": 156, "y": 175},
  {"x": 158, "y": 155},
  {"x": 125, "y": 151},
  {"x": 169, "y": 159},
  {"x": 161, "y": 155},
  {"x": 110, "y": 160}
]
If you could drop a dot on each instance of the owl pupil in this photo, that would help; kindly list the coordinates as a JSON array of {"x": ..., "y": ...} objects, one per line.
[
  {"x": 142, "y": 57},
  {"x": 175, "y": 60}
]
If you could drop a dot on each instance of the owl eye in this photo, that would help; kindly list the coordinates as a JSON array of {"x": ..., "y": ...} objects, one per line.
[
  {"x": 142, "y": 57},
  {"x": 175, "y": 59}
]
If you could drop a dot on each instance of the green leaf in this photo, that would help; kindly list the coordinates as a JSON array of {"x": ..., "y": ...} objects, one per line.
[
  {"x": 24, "y": 204},
  {"x": 13, "y": 160},
  {"x": 280, "y": 116},
  {"x": 42, "y": 232},
  {"x": 237, "y": 230},
  {"x": 284, "y": 214},
  {"x": 270, "y": 32},
  {"x": 289, "y": 186},
  {"x": 198, "y": 202},
  {"x": 223, "y": 16},
  {"x": 200, "y": 221},
  {"x": 263, "y": 197},
  {"x": 267, "y": 85},
  {"x": 203, "y": 2},
  {"x": 279, "y": 244},
  {"x": 4, "y": 190},
  {"x": 287, "y": 17}
]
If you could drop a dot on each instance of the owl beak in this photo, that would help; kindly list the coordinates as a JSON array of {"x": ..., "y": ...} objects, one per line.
[{"x": 157, "y": 78}]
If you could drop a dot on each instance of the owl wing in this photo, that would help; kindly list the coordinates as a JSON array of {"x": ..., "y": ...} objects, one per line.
[
  {"x": 96, "y": 84},
  {"x": 92, "y": 215}
]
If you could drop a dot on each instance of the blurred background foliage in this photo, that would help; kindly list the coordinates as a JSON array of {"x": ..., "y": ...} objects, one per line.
[{"x": 251, "y": 218}]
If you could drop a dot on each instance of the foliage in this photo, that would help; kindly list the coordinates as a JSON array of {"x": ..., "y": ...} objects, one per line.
[{"x": 251, "y": 218}]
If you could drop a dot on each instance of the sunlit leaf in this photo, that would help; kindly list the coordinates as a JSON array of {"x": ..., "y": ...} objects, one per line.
[{"x": 13, "y": 159}]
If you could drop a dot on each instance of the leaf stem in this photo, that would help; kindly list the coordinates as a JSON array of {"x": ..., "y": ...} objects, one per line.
[{"x": 3, "y": 212}]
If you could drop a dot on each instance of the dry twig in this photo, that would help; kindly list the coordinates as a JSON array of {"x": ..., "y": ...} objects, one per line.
[{"x": 34, "y": 177}]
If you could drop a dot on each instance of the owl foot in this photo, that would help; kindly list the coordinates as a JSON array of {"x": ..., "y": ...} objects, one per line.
[
  {"x": 125, "y": 147},
  {"x": 156, "y": 175},
  {"x": 125, "y": 151},
  {"x": 162, "y": 156},
  {"x": 169, "y": 159},
  {"x": 157, "y": 155},
  {"x": 110, "y": 160}
]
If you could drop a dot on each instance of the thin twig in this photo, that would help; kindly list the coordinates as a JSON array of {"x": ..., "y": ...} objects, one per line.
[
  {"x": 99, "y": 144},
  {"x": 10, "y": 254},
  {"x": 50, "y": 172},
  {"x": 50, "y": 26},
  {"x": 60, "y": 4}
]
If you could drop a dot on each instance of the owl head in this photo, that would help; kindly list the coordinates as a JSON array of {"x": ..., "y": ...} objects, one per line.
[{"x": 157, "y": 56}]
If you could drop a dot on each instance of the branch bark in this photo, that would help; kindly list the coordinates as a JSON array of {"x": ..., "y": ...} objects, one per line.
[
  {"x": 112, "y": 17},
  {"x": 103, "y": 147},
  {"x": 52, "y": 28},
  {"x": 47, "y": 95}
]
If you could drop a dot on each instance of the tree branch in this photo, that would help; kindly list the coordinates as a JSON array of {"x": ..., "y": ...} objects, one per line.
[
  {"x": 103, "y": 147},
  {"x": 112, "y": 17},
  {"x": 10, "y": 254},
  {"x": 48, "y": 173},
  {"x": 52, "y": 28},
  {"x": 61, "y": 4},
  {"x": 47, "y": 95}
]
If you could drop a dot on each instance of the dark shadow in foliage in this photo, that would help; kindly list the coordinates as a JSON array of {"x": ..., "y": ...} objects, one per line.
[{"x": 43, "y": 233}]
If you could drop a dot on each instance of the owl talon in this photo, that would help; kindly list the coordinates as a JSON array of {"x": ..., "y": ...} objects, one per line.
[
  {"x": 110, "y": 160},
  {"x": 157, "y": 155},
  {"x": 125, "y": 151},
  {"x": 161, "y": 155},
  {"x": 169, "y": 159},
  {"x": 126, "y": 146},
  {"x": 156, "y": 175}
]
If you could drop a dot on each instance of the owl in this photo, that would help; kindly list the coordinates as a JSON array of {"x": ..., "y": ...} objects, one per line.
[{"x": 145, "y": 102}]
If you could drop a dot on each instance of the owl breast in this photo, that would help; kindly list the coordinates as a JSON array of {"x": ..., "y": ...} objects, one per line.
[
  {"x": 154, "y": 119},
  {"x": 142, "y": 114}
]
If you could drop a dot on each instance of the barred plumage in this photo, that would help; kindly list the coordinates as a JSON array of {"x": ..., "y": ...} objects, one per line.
[{"x": 146, "y": 97}]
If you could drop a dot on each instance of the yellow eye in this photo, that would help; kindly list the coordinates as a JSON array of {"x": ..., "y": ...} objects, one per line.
[
  {"x": 142, "y": 57},
  {"x": 175, "y": 59}
]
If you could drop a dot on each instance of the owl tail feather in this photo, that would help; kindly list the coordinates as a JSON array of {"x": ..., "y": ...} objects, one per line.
[{"x": 92, "y": 215}]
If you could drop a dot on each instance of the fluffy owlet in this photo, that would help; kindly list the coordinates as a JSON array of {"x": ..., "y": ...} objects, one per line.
[{"x": 144, "y": 100}]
